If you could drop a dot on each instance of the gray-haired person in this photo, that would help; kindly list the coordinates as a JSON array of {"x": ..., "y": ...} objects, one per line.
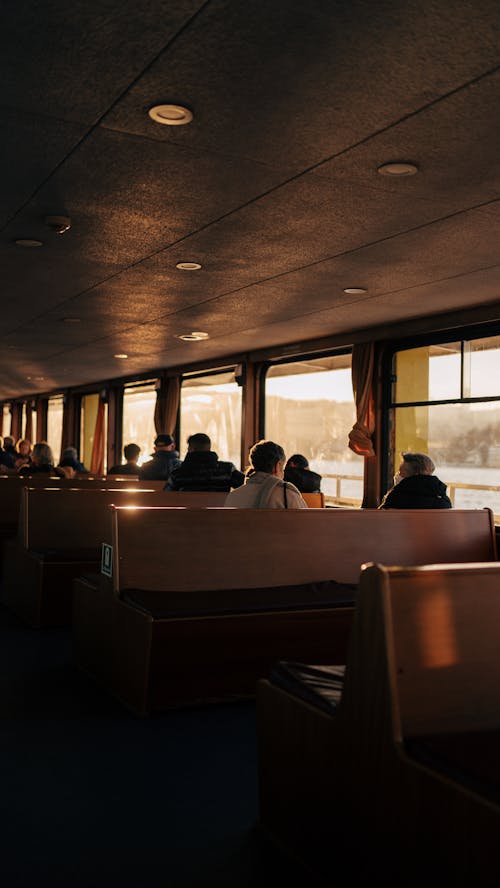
[{"x": 415, "y": 486}]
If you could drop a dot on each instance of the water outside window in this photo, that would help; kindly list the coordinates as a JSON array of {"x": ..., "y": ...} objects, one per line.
[
  {"x": 55, "y": 410},
  {"x": 462, "y": 438},
  {"x": 309, "y": 409},
  {"x": 212, "y": 404},
  {"x": 138, "y": 419}
]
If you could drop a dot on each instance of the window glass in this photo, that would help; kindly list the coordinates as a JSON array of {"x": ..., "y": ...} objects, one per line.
[
  {"x": 309, "y": 409},
  {"x": 7, "y": 420},
  {"x": 88, "y": 416},
  {"x": 212, "y": 404},
  {"x": 463, "y": 440},
  {"x": 23, "y": 421},
  {"x": 138, "y": 419},
  {"x": 55, "y": 409},
  {"x": 484, "y": 363},
  {"x": 430, "y": 373}
]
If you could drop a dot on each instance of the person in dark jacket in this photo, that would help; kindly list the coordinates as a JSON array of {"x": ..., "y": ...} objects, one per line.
[
  {"x": 415, "y": 487},
  {"x": 297, "y": 472},
  {"x": 131, "y": 453},
  {"x": 203, "y": 470},
  {"x": 70, "y": 460},
  {"x": 165, "y": 460}
]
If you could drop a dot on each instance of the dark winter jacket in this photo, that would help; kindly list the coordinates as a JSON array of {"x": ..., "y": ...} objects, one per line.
[
  {"x": 304, "y": 479},
  {"x": 417, "y": 492},
  {"x": 125, "y": 469},
  {"x": 202, "y": 470},
  {"x": 160, "y": 467}
]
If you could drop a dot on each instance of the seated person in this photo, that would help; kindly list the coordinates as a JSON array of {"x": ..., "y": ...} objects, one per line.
[
  {"x": 415, "y": 487},
  {"x": 165, "y": 460},
  {"x": 264, "y": 486},
  {"x": 131, "y": 453},
  {"x": 23, "y": 453},
  {"x": 297, "y": 471},
  {"x": 42, "y": 462},
  {"x": 203, "y": 470},
  {"x": 7, "y": 459},
  {"x": 70, "y": 460}
]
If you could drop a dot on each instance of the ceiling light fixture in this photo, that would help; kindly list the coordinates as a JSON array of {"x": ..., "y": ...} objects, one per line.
[
  {"x": 122, "y": 357},
  {"x": 355, "y": 291},
  {"x": 28, "y": 242},
  {"x": 399, "y": 168},
  {"x": 188, "y": 266},
  {"x": 195, "y": 336},
  {"x": 170, "y": 115}
]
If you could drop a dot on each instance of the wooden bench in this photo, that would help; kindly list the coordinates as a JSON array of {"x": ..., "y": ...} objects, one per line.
[
  {"x": 60, "y": 533},
  {"x": 407, "y": 767},
  {"x": 314, "y": 500},
  {"x": 203, "y": 602}
]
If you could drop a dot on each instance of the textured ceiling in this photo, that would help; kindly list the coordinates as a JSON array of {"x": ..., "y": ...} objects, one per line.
[{"x": 273, "y": 187}]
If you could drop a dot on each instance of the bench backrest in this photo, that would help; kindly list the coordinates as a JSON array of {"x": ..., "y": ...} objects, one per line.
[
  {"x": 314, "y": 500},
  {"x": 442, "y": 640},
  {"x": 158, "y": 549},
  {"x": 69, "y": 518}
]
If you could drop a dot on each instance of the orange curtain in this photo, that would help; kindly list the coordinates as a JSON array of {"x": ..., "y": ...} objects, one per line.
[
  {"x": 97, "y": 458},
  {"x": 167, "y": 405},
  {"x": 361, "y": 434},
  {"x": 28, "y": 432}
]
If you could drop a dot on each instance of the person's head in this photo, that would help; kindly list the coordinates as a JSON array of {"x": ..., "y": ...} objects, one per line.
[
  {"x": 23, "y": 447},
  {"x": 70, "y": 453},
  {"x": 415, "y": 464},
  {"x": 131, "y": 452},
  {"x": 297, "y": 461},
  {"x": 8, "y": 441},
  {"x": 198, "y": 442},
  {"x": 266, "y": 456},
  {"x": 42, "y": 454},
  {"x": 164, "y": 442}
]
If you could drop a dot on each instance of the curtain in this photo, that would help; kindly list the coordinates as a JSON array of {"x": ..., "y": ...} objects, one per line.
[
  {"x": 17, "y": 420},
  {"x": 28, "y": 431},
  {"x": 97, "y": 458},
  {"x": 167, "y": 405},
  {"x": 361, "y": 434},
  {"x": 68, "y": 426}
]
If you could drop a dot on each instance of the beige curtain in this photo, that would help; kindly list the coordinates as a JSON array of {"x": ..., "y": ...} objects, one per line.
[
  {"x": 361, "y": 434},
  {"x": 167, "y": 405},
  {"x": 97, "y": 458},
  {"x": 68, "y": 426}
]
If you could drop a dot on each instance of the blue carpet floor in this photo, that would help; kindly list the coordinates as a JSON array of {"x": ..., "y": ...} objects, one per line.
[{"x": 92, "y": 796}]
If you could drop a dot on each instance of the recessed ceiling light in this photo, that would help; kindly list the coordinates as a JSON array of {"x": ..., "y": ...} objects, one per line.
[
  {"x": 355, "y": 291},
  {"x": 122, "y": 357},
  {"x": 170, "y": 115},
  {"x": 398, "y": 169},
  {"x": 28, "y": 242},
  {"x": 196, "y": 336},
  {"x": 40, "y": 378},
  {"x": 72, "y": 320},
  {"x": 189, "y": 266}
]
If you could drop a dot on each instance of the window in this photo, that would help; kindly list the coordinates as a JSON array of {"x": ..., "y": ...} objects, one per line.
[
  {"x": 55, "y": 408},
  {"x": 446, "y": 402},
  {"x": 138, "y": 419},
  {"x": 309, "y": 409},
  {"x": 7, "y": 420},
  {"x": 88, "y": 416},
  {"x": 211, "y": 403}
]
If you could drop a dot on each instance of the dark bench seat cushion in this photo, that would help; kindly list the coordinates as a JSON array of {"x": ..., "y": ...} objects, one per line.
[
  {"x": 469, "y": 758},
  {"x": 320, "y": 686},
  {"x": 168, "y": 604}
]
